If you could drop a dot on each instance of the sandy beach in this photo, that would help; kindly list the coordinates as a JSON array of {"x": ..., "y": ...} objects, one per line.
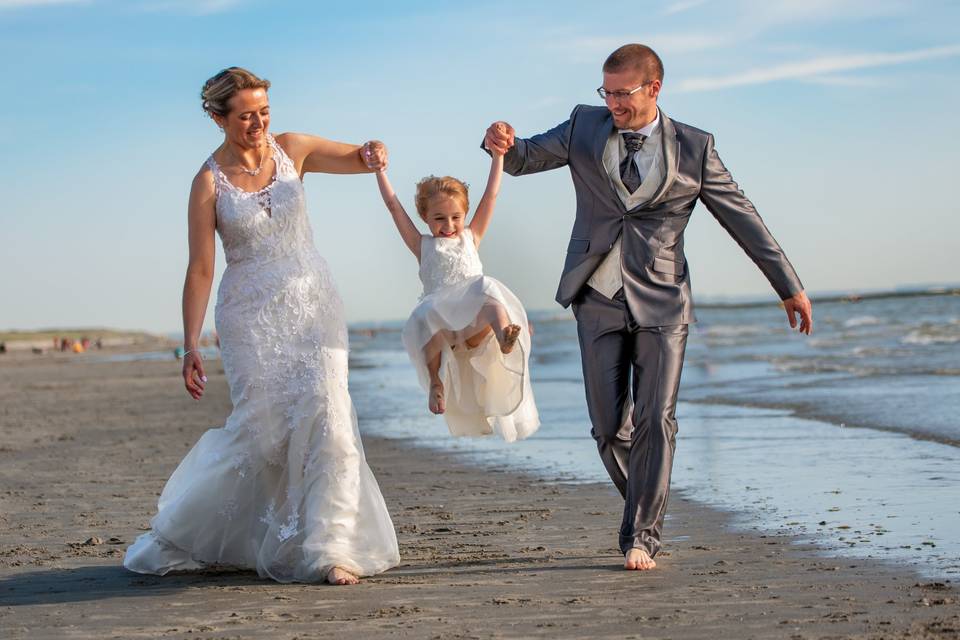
[{"x": 86, "y": 445}]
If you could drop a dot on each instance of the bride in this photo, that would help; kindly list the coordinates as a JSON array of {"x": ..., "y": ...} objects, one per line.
[{"x": 283, "y": 487}]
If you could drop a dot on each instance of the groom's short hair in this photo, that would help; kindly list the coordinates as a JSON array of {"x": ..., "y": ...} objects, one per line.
[{"x": 635, "y": 56}]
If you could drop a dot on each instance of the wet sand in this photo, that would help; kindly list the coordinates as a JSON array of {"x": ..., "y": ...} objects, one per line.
[{"x": 85, "y": 448}]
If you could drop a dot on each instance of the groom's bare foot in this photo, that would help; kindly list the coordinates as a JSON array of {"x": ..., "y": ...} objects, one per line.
[
  {"x": 340, "y": 576},
  {"x": 436, "y": 400},
  {"x": 638, "y": 560},
  {"x": 510, "y": 335}
]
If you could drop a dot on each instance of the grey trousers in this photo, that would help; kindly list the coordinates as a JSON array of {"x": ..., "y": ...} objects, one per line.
[{"x": 635, "y": 425}]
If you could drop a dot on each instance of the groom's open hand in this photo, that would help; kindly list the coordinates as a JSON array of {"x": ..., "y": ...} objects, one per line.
[
  {"x": 499, "y": 138},
  {"x": 799, "y": 305}
]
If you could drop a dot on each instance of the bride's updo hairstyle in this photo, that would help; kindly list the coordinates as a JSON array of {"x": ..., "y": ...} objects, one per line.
[
  {"x": 218, "y": 90},
  {"x": 447, "y": 186}
]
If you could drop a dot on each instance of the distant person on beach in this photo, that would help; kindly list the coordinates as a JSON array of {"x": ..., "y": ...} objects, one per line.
[
  {"x": 468, "y": 336},
  {"x": 283, "y": 488},
  {"x": 638, "y": 175}
]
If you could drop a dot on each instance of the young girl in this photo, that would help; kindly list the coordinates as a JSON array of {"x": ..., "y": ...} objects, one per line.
[{"x": 468, "y": 336}]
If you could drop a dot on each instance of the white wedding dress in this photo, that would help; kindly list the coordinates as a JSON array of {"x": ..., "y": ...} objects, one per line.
[
  {"x": 283, "y": 487},
  {"x": 486, "y": 391}
]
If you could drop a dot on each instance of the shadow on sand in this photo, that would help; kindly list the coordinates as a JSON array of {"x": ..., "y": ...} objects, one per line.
[{"x": 99, "y": 582}]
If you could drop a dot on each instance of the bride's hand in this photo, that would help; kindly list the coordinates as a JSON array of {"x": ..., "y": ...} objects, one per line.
[
  {"x": 194, "y": 378},
  {"x": 374, "y": 154}
]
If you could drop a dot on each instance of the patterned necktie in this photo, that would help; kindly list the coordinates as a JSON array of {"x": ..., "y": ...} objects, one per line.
[{"x": 628, "y": 168}]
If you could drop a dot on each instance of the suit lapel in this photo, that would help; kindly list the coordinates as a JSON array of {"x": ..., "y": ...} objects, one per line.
[
  {"x": 599, "y": 144},
  {"x": 671, "y": 157},
  {"x": 600, "y": 140}
]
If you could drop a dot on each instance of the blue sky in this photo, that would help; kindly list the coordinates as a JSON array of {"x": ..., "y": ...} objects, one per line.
[{"x": 838, "y": 118}]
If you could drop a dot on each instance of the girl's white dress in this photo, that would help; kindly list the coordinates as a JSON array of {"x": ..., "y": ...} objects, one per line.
[
  {"x": 486, "y": 391},
  {"x": 283, "y": 487}
]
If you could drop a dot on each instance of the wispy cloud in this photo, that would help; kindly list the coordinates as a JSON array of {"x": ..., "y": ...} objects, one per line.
[
  {"x": 592, "y": 47},
  {"x": 193, "y": 7},
  {"x": 817, "y": 67},
  {"x": 683, "y": 5},
  {"x": 26, "y": 4},
  {"x": 737, "y": 22},
  {"x": 849, "y": 81},
  {"x": 763, "y": 15}
]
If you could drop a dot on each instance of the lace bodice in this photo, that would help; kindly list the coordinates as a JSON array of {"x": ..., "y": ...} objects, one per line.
[
  {"x": 276, "y": 286},
  {"x": 263, "y": 225},
  {"x": 448, "y": 261}
]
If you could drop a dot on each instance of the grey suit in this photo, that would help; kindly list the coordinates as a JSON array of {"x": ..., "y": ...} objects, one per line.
[{"x": 641, "y": 333}]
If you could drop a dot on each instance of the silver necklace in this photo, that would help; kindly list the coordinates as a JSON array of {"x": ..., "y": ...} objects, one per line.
[{"x": 251, "y": 172}]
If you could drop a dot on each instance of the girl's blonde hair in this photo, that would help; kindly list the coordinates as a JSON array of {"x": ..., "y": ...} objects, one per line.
[
  {"x": 433, "y": 186},
  {"x": 218, "y": 90}
]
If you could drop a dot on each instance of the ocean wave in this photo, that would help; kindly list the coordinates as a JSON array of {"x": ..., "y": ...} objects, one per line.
[
  {"x": 813, "y": 366},
  {"x": 864, "y": 351},
  {"x": 932, "y": 335},
  {"x": 826, "y": 343},
  {"x": 734, "y": 330},
  {"x": 861, "y": 369},
  {"x": 860, "y": 321}
]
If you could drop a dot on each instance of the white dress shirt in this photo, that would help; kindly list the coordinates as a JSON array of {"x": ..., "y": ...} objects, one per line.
[{"x": 608, "y": 277}]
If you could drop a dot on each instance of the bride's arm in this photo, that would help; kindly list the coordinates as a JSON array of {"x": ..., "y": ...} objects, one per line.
[
  {"x": 313, "y": 154},
  {"x": 202, "y": 222},
  {"x": 408, "y": 231},
  {"x": 481, "y": 219}
]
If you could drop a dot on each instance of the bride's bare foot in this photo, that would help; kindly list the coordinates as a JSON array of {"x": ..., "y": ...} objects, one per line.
[
  {"x": 638, "y": 560},
  {"x": 340, "y": 576},
  {"x": 510, "y": 335},
  {"x": 436, "y": 400}
]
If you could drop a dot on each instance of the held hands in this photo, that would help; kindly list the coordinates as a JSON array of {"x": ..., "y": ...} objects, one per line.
[
  {"x": 799, "y": 305},
  {"x": 374, "y": 155},
  {"x": 194, "y": 378},
  {"x": 500, "y": 137}
]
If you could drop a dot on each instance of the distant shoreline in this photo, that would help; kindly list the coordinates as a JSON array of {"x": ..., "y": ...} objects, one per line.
[
  {"x": 57, "y": 340},
  {"x": 842, "y": 297},
  {"x": 14, "y": 336}
]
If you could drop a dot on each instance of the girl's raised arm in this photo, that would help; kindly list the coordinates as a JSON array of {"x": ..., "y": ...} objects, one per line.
[
  {"x": 481, "y": 219},
  {"x": 408, "y": 231}
]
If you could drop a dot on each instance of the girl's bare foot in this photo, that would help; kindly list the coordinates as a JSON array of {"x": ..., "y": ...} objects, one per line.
[
  {"x": 510, "y": 335},
  {"x": 340, "y": 576},
  {"x": 638, "y": 560},
  {"x": 436, "y": 399}
]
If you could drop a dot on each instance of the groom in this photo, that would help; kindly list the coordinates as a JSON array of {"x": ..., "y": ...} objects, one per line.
[{"x": 637, "y": 176}]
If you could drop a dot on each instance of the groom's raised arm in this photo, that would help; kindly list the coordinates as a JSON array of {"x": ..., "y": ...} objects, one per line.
[{"x": 542, "y": 152}]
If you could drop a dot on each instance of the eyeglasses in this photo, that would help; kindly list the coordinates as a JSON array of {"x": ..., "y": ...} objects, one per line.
[{"x": 620, "y": 95}]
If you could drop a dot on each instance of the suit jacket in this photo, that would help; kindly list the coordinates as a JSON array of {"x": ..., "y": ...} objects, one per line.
[{"x": 656, "y": 281}]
